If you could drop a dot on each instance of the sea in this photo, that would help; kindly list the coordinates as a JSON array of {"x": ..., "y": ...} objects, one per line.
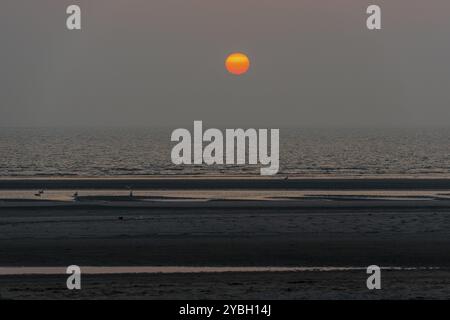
[{"x": 146, "y": 151}]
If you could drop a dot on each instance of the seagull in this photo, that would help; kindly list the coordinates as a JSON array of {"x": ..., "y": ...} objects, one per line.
[{"x": 75, "y": 195}]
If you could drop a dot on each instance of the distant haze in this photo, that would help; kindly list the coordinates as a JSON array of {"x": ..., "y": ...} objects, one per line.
[{"x": 161, "y": 63}]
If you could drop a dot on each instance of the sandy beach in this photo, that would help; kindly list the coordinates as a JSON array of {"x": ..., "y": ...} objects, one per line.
[{"x": 407, "y": 228}]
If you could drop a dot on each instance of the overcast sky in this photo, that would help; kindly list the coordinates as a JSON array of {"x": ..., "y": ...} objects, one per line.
[{"x": 161, "y": 62}]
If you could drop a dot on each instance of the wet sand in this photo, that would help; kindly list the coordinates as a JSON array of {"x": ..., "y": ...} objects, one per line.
[
  {"x": 234, "y": 286},
  {"x": 228, "y": 183},
  {"x": 347, "y": 230},
  {"x": 53, "y": 236}
]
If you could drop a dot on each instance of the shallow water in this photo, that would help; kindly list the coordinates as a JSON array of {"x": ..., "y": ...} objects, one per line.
[{"x": 8, "y": 271}]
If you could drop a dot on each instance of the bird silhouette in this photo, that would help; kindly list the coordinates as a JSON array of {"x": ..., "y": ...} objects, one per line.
[{"x": 131, "y": 191}]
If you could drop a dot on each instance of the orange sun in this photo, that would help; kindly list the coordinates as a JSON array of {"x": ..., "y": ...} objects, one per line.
[{"x": 237, "y": 63}]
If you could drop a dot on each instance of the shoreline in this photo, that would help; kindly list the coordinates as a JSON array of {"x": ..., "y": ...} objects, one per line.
[{"x": 225, "y": 183}]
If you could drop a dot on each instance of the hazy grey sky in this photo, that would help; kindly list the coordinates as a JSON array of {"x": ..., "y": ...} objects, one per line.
[{"x": 161, "y": 62}]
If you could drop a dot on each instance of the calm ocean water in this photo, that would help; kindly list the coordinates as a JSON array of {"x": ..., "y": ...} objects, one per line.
[{"x": 329, "y": 152}]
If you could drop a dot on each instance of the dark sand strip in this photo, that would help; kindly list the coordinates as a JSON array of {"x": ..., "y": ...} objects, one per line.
[
  {"x": 255, "y": 183},
  {"x": 225, "y": 206}
]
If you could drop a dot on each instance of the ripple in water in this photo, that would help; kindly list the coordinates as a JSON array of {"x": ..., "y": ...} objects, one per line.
[{"x": 311, "y": 152}]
